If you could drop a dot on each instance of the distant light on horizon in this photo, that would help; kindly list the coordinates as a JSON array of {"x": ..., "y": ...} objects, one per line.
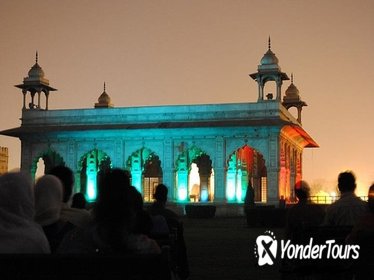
[{"x": 362, "y": 189}]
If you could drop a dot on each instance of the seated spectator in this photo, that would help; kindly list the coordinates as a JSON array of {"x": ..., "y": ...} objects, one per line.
[
  {"x": 143, "y": 222},
  {"x": 19, "y": 233},
  {"x": 76, "y": 216},
  {"x": 363, "y": 235},
  {"x": 304, "y": 214},
  {"x": 112, "y": 230},
  {"x": 78, "y": 201},
  {"x": 158, "y": 208},
  {"x": 366, "y": 222},
  {"x": 48, "y": 199},
  {"x": 348, "y": 208}
]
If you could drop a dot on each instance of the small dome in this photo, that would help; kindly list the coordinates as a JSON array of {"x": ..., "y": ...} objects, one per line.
[
  {"x": 104, "y": 98},
  {"x": 292, "y": 92},
  {"x": 269, "y": 58},
  {"x": 36, "y": 72}
]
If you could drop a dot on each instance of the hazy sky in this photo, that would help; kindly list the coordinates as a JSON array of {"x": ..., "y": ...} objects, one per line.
[{"x": 189, "y": 52}]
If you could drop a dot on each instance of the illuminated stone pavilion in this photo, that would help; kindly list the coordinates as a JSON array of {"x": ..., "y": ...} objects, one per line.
[{"x": 203, "y": 153}]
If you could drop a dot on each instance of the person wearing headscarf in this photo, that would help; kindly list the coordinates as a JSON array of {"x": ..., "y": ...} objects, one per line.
[
  {"x": 113, "y": 230},
  {"x": 77, "y": 217},
  {"x": 19, "y": 233},
  {"x": 48, "y": 203}
]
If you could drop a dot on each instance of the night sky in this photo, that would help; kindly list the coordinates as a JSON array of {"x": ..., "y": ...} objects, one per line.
[{"x": 198, "y": 52}]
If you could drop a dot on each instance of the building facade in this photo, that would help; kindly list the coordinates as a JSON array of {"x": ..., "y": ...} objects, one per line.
[{"x": 203, "y": 153}]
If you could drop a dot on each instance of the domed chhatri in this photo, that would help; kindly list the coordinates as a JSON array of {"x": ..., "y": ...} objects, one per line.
[
  {"x": 104, "y": 100},
  {"x": 292, "y": 92},
  {"x": 269, "y": 71},
  {"x": 35, "y": 83},
  {"x": 292, "y": 99}
]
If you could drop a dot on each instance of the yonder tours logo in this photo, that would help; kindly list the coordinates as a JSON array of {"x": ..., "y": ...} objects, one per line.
[{"x": 266, "y": 248}]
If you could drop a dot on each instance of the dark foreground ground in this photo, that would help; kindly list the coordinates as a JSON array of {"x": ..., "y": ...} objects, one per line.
[{"x": 223, "y": 248}]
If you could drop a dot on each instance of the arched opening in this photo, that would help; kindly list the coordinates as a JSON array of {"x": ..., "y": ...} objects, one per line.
[
  {"x": 92, "y": 166},
  {"x": 194, "y": 176},
  {"x": 245, "y": 166},
  {"x": 270, "y": 90},
  {"x": 146, "y": 172},
  {"x": 293, "y": 111},
  {"x": 194, "y": 182},
  {"x": 43, "y": 163}
]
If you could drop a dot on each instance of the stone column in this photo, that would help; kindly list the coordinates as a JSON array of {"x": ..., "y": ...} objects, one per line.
[
  {"x": 299, "y": 108},
  {"x": 279, "y": 86},
  {"x": 32, "y": 99},
  {"x": 219, "y": 170},
  {"x": 24, "y": 92},
  {"x": 39, "y": 92},
  {"x": 117, "y": 160},
  {"x": 46, "y": 99},
  {"x": 70, "y": 159},
  {"x": 261, "y": 86},
  {"x": 273, "y": 170},
  {"x": 168, "y": 168},
  {"x": 272, "y": 185}
]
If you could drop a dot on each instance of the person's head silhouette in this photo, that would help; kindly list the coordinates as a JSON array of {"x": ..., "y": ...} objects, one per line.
[
  {"x": 78, "y": 201},
  {"x": 302, "y": 191},
  {"x": 161, "y": 193},
  {"x": 346, "y": 182},
  {"x": 65, "y": 174}
]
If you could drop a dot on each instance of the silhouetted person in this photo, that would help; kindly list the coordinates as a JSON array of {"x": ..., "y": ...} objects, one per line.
[
  {"x": 48, "y": 198},
  {"x": 159, "y": 205},
  {"x": 113, "y": 228},
  {"x": 158, "y": 208},
  {"x": 143, "y": 223},
  {"x": 19, "y": 233},
  {"x": 304, "y": 214},
  {"x": 249, "y": 200},
  {"x": 78, "y": 217},
  {"x": 366, "y": 222},
  {"x": 363, "y": 234},
  {"x": 78, "y": 201},
  {"x": 348, "y": 208}
]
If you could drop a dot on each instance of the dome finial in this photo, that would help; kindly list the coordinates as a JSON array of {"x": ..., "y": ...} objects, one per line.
[
  {"x": 269, "y": 43},
  {"x": 291, "y": 78},
  {"x": 104, "y": 100},
  {"x": 36, "y": 57}
]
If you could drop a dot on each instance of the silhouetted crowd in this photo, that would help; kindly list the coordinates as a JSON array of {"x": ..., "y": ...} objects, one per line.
[
  {"x": 46, "y": 218},
  {"x": 38, "y": 219},
  {"x": 349, "y": 220},
  {"x": 348, "y": 211}
]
